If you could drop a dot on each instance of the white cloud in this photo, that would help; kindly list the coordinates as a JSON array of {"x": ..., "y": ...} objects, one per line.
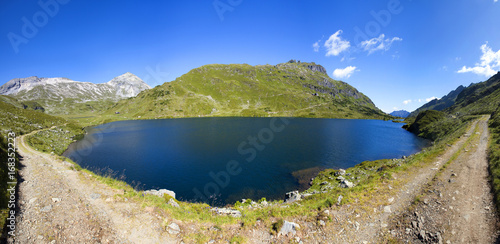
[
  {"x": 430, "y": 99},
  {"x": 489, "y": 65},
  {"x": 335, "y": 45},
  {"x": 378, "y": 43},
  {"x": 316, "y": 46},
  {"x": 406, "y": 101},
  {"x": 344, "y": 73}
]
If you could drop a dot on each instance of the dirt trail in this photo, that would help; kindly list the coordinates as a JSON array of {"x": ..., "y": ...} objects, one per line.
[
  {"x": 457, "y": 206},
  {"x": 61, "y": 205}
]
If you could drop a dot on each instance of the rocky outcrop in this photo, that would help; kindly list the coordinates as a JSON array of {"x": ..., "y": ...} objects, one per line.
[
  {"x": 292, "y": 197},
  {"x": 317, "y": 67},
  {"x": 227, "y": 211},
  {"x": 160, "y": 192},
  {"x": 289, "y": 228},
  {"x": 58, "y": 89}
]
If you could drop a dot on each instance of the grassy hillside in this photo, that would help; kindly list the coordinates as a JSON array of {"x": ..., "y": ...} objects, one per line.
[
  {"x": 494, "y": 155},
  {"x": 24, "y": 105},
  {"x": 439, "y": 104},
  {"x": 289, "y": 89},
  {"x": 479, "y": 98},
  {"x": 14, "y": 117}
]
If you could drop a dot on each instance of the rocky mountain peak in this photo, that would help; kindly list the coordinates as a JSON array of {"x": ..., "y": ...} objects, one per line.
[
  {"x": 312, "y": 66},
  {"x": 128, "y": 85}
]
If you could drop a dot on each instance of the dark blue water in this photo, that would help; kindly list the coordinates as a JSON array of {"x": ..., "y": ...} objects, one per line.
[{"x": 222, "y": 160}]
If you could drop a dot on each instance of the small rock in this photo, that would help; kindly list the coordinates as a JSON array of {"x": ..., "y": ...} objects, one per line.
[
  {"x": 160, "y": 192},
  {"x": 387, "y": 209},
  {"x": 173, "y": 229},
  {"x": 109, "y": 199},
  {"x": 95, "y": 196},
  {"x": 422, "y": 235},
  {"x": 288, "y": 228},
  {"x": 346, "y": 184},
  {"x": 453, "y": 174},
  {"x": 292, "y": 197},
  {"x": 326, "y": 212},
  {"x": 32, "y": 200},
  {"x": 324, "y": 183},
  {"x": 46, "y": 208},
  {"x": 56, "y": 199},
  {"x": 440, "y": 239},
  {"x": 390, "y": 200},
  {"x": 173, "y": 203},
  {"x": 340, "y": 172},
  {"x": 414, "y": 224},
  {"x": 227, "y": 211},
  {"x": 340, "y": 178},
  {"x": 339, "y": 199},
  {"x": 322, "y": 223}
]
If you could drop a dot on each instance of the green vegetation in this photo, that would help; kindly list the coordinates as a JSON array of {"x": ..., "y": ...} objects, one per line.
[
  {"x": 371, "y": 179},
  {"x": 439, "y": 104},
  {"x": 289, "y": 89},
  {"x": 479, "y": 98},
  {"x": 494, "y": 155},
  {"x": 57, "y": 139},
  {"x": 21, "y": 119},
  {"x": 435, "y": 125}
]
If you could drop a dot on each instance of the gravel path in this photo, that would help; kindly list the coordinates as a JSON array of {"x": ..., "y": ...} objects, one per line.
[
  {"x": 457, "y": 206},
  {"x": 61, "y": 205}
]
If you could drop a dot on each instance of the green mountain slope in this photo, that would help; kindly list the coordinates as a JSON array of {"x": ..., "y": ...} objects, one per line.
[
  {"x": 16, "y": 117},
  {"x": 287, "y": 89},
  {"x": 439, "y": 104},
  {"x": 479, "y": 98}
]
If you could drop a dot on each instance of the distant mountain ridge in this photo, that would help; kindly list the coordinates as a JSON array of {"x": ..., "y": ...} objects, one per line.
[
  {"x": 440, "y": 104},
  {"x": 52, "y": 92},
  {"x": 477, "y": 99},
  {"x": 294, "y": 88},
  {"x": 400, "y": 113}
]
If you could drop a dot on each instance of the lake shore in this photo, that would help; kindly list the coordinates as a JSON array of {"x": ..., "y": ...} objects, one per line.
[{"x": 389, "y": 189}]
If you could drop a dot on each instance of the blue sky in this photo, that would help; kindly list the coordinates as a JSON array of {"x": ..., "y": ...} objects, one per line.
[{"x": 399, "y": 53}]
